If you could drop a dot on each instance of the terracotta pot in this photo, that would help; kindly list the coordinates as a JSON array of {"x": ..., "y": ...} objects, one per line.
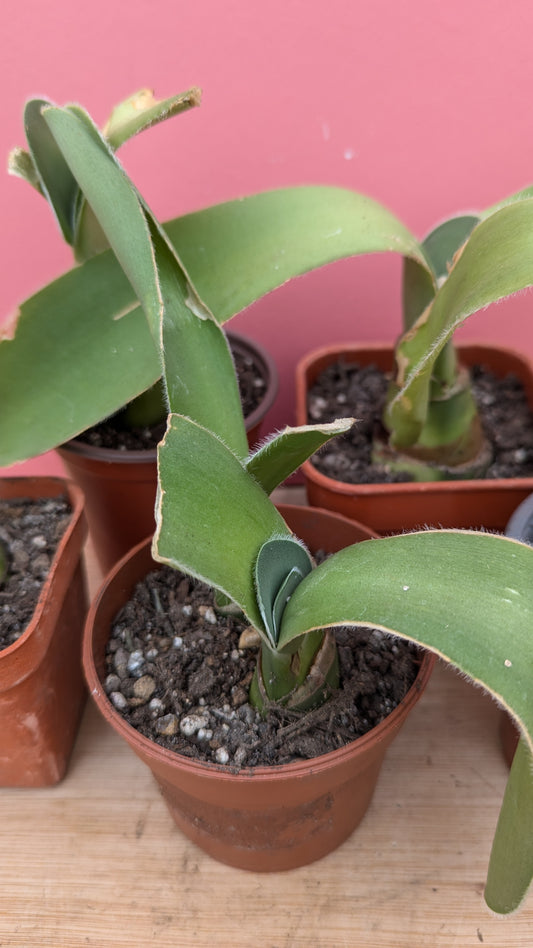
[
  {"x": 395, "y": 507},
  {"x": 42, "y": 691},
  {"x": 120, "y": 486},
  {"x": 263, "y": 818}
]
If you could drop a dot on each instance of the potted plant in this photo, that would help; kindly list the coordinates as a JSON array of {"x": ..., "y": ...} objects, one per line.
[
  {"x": 43, "y": 602},
  {"x": 113, "y": 458},
  {"x": 216, "y": 522},
  {"x": 428, "y": 431}
]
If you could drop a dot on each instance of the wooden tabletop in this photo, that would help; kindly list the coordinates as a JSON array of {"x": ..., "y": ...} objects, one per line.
[{"x": 97, "y": 860}]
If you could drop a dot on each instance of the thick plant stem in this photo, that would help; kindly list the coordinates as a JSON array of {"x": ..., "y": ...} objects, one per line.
[
  {"x": 300, "y": 680},
  {"x": 149, "y": 408},
  {"x": 451, "y": 444}
]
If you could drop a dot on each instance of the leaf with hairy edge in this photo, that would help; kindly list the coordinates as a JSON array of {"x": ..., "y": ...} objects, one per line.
[
  {"x": 114, "y": 200},
  {"x": 496, "y": 262},
  {"x": 234, "y": 252},
  {"x": 511, "y": 858},
  {"x": 86, "y": 351},
  {"x": 431, "y": 588},
  {"x": 280, "y": 566},
  {"x": 137, "y": 113},
  {"x": 141, "y": 111},
  {"x": 269, "y": 238},
  {"x": 440, "y": 246},
  {"x": 199, "y": 370},
  {"x": 211, "y": 517},
  {"x": 21, "y": 165},
  {"x": 282, "y": 454},
  {"x": 521, "y": 195},
  {"x": 56, "y": 180},
  {"x": 442, "y": 581}
]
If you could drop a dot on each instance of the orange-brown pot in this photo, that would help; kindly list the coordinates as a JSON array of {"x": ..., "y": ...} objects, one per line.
[
  {"x": 42, "y": 691},
  {"x": 262, "y": 818},
  {"x": 120, "y": 486},
  {"x": 395, "y": 507}
]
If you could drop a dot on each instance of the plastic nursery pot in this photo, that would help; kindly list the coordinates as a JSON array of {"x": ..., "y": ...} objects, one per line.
[
  {"x": 120, "y": 486},
  {"x": 263, "y": 818},
  {"x": 394, "y": 507},
  {"x": 520, "y": 527},
  {"x": 42, "y": 690}
]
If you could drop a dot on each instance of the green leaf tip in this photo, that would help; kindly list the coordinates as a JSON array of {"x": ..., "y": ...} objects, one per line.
[
  {"x": 142, "y": 110},
  {"x": 21, "y": 165},
  {"x": 511, "y": 861},
  {"x": 282, "y": 454}
]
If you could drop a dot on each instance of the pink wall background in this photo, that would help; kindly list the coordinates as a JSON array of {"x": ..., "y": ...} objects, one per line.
[{"x": 421, "y": 105}]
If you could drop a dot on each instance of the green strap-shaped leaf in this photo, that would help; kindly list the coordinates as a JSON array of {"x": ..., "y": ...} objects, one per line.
[
  {"x": 496, "y": 262},
  {"x": 238, "y": 251},
  {"x": 511, "y": 859},
  {"x": 234, "y": 253},
  {"x": 432, "y": 587},
  {"x": 74, "y": 359},
  {"x": 440, "y": 246},
  {"x": 521, "y": 195},
  {"x": 141, "y": 111},
  {"x": 468, "y": 597},
  {"x": 199, "y": 371},
  {"x": 115, "y": 202},
  {"x": 212, "y": 518},
  {"x": 280, "y": 566},
  {"x": 137, "y": 113},
  {"x": 57, "y": 182},
  {"x": 283, "y": 454}
]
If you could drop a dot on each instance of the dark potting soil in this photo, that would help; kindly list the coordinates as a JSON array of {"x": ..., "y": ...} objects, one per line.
[
  {"x": 112, "y": 433},
  {"x": 345, "y": 390},
  {"x": 177, "y": 674},
  {"x": 30, "y": 531}
]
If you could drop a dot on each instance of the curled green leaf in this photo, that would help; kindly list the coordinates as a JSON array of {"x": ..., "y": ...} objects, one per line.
[{"x": 281, "y": 564}]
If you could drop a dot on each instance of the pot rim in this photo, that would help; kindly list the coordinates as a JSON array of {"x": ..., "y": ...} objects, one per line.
[{"x": 51, "y": 486}]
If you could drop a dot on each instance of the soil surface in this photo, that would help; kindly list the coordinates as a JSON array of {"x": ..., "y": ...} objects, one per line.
[
  {"x": 177, "y": 674},
  {"x": 112, "y": 433},
  {"x": 346, "y": 389},
  {"x": 30, "y": 531}
]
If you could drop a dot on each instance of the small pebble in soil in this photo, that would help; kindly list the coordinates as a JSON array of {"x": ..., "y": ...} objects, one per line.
[
  {"x": 191, "y": 723},
  {"x": 144, "y": 688},
  {"x": 167, "y": 726},
  {"x": 119, "y": 700},
  {"x": 135, "y": 662}
]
